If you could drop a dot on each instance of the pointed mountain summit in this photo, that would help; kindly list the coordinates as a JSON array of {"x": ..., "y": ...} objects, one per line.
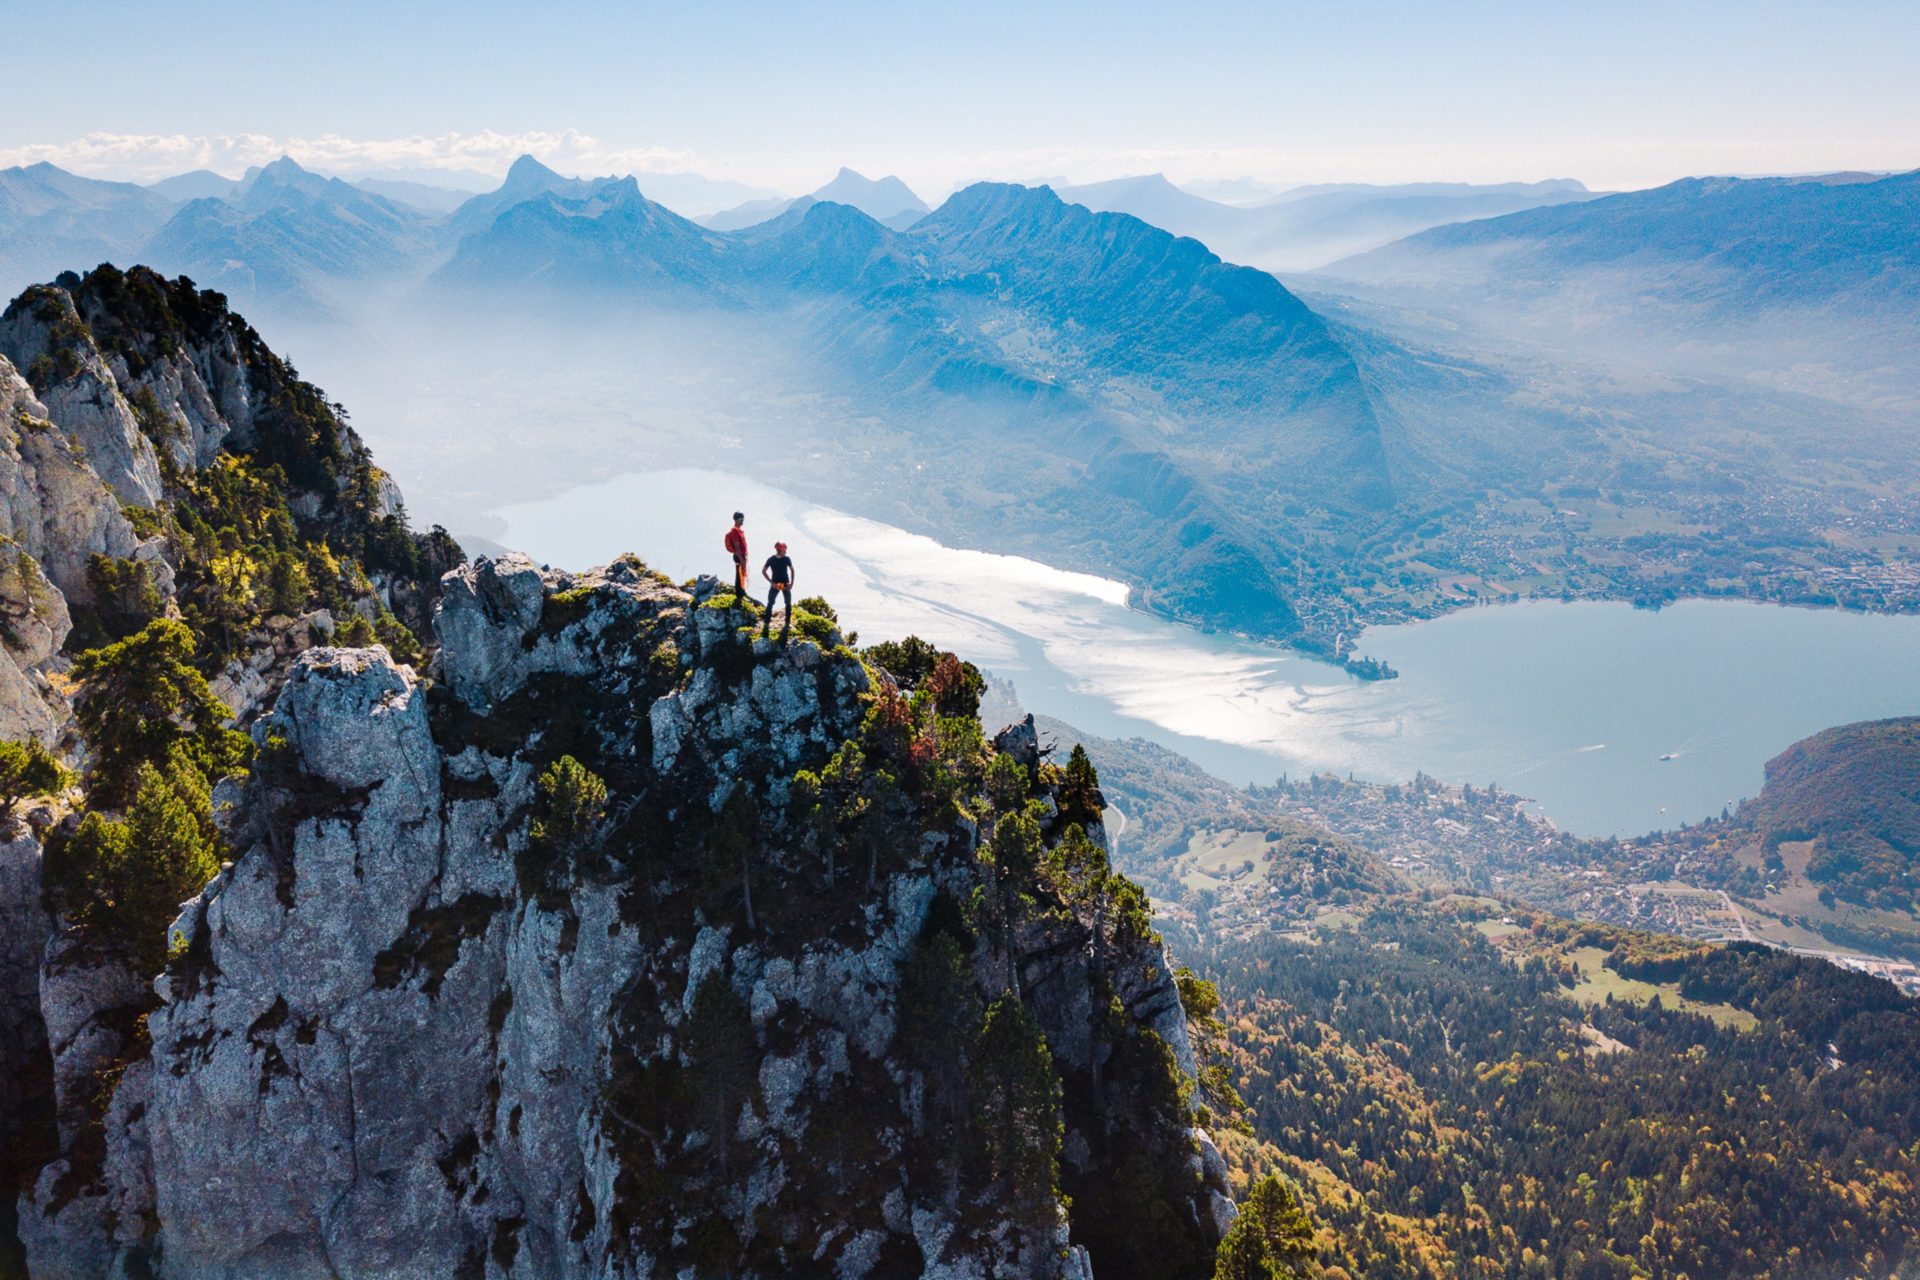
[
  {"x": 886, "y": 200},
  {"x": 527, "y": 176},
  {"x": 1215, "y": 342},
  {"x": 526, "y": 179},
  {"x": 826, "y": 246},
  {"x": 288, "y": 238},
  {"x": 588, "y": 240},
  {"x": 284, "y": 174}
]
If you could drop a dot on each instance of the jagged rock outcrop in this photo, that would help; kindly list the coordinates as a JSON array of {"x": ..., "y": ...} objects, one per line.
[
  {"x": 42, "y": 334},
  {"x": 53, "y": 505},
  {"x": 34, "y": 623},
  {"x": 117, "y": 390},
  {"x": 157, "y": 461},
  {"x": 426, "y": 1024},
  {"x": 54, "y": 513}
]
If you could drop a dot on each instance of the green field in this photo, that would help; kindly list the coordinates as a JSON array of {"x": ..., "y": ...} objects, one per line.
[
  {"x": 1597, "y": 983},
  {"x": 1214, "y": 859}
]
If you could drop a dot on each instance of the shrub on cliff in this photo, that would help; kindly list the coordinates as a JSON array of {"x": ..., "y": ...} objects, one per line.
[
  {"x": 123, "y": 879},
  {"x": 125, "y": 596},
  {"x": 28, "y": 769},
  {"x": 1272, "y": 1239},
  {"x": 953, "y": 686},
  {"x": 1017, "y": 1124},
  {"x": 142, "y": 699}
]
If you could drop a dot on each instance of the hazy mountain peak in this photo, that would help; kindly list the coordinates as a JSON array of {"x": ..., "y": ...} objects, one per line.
[
  {"x": 285, "y": 172},
  {"x": 529, "y": 172},
  {"x": 879, "y": 198},
  {"x": 265, "y": 185},
  {"x": 193, "y": 185},
  {"x": 984, "y": 202}
]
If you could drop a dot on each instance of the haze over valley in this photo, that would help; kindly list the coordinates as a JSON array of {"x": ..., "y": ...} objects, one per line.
[{"x": 1368, "y": 446}]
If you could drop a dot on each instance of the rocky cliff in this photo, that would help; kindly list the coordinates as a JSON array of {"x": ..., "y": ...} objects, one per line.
[
  {"x": 599, "y": 939},
  {"x": 425, "y": 1022}
]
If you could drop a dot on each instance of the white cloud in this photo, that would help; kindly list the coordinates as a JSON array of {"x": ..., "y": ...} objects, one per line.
[{"x": 145, "y": 157}]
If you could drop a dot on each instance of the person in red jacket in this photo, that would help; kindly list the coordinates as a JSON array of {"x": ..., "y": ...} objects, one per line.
[{"x": 737, "y": 547}]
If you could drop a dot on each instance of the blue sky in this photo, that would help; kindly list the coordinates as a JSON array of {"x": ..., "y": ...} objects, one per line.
[{"x": 1620, "y": 94}]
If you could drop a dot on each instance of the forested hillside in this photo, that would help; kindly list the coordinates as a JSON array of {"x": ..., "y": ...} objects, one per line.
[
  {"x": 1451, "y": 1110},
  {"x": 1854, "y": 793},
  {"x": 1466, "y": 1085}
]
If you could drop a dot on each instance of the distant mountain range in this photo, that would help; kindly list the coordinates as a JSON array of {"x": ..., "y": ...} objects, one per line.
[
  {"x": 1023, "y": 371},
  {"x": 284, "y": 235},
  {"x": 1750, "y": 276},
  {"x": 1103, "y": 362},
  {"x": 1308, "y": 227},
  {"x": 51, "y": 220},
  {"x": 279, "y": 238}
]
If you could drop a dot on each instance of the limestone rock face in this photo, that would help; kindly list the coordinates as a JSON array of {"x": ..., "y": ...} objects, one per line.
[
  {"x": 85, "y": 399},
  {"x": 197, "y": 398},
  {"x": 53, "y": 505},
  {"x": 34, "y": 623},
  {"x": 421, "y": 1027}
]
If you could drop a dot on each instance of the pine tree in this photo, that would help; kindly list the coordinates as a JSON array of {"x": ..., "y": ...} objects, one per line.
[
  {"x": 126, "y": 878},
  {"x": 172, "y": 851},
  {"x": 1080, "y": 797},
  {"x": 572, "y": 799},
  {"x": 1272, "y": 1239},
  {"x": 142, "y": 699},
  {"x": 1017, "y": 1097}
]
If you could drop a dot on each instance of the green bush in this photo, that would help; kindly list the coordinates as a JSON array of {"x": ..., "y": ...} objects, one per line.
[
  {"x": 125, "y": 596},
  {"x": 141, "y": 699},
  {"x": 124, "y": 879},
  {"x": 399, "y": 640},
  {"x": 813, "y": 627},
  {"x": 355, "y": 633},
  {"x": 29, "y": 769},
  {"x": 572, "y": 799}
]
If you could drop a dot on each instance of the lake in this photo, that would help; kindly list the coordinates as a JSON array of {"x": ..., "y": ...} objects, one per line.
[{"x": 1614, "y": 720}]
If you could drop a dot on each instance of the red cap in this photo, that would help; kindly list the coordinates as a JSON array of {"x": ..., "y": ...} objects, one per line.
[{"x": 780, "y": 546}]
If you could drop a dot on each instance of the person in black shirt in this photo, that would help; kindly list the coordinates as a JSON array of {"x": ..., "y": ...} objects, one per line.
[{"x": 778, "y": 570}]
